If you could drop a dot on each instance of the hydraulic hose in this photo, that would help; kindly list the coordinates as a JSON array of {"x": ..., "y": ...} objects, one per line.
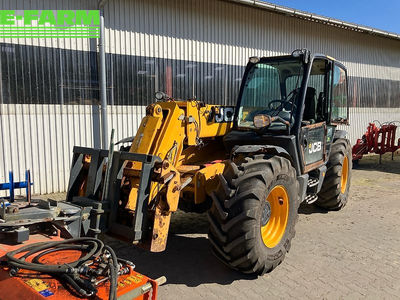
[
  {"x": 91, "y": 248},
  {"x": 95, "y": 246},
  {"x": 114, "y": 268}
]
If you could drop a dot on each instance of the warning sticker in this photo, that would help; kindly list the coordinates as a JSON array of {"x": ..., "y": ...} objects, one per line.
[
  {"x": 37, "y": 284},
  {"x": 130, "y": 280}
]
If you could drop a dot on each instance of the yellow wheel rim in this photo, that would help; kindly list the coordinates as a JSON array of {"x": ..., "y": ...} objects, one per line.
[
  {"x": 274, "y": 229},
  {"x": 345, "y": 175}
]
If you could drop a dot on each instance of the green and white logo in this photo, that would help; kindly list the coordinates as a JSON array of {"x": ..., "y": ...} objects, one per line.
[{"x": 49, "y": 23}]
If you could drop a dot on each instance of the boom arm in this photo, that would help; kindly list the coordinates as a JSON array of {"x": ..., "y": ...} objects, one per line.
[{"x": 167, "y": 129}]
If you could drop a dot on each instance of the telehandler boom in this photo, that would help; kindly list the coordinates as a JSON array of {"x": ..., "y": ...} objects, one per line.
[{"x": 248, "y": 166}]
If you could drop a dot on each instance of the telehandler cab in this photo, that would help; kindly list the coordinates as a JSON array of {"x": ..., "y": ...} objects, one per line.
[{"x": 249, "y": 166}]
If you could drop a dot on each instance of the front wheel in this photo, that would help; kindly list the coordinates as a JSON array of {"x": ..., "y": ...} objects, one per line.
[{"x": 254, "y": 213}]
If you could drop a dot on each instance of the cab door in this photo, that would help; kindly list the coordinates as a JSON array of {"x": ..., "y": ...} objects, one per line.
[
  {"x": 313, "y": 134},
  {"x": 325, "y": 107}
]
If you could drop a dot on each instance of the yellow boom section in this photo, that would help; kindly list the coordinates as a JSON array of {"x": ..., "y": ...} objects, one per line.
[{"x": 166, "y": 131}]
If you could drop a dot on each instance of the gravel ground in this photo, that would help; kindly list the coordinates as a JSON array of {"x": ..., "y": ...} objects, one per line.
[{"x": 350, "y": 254}]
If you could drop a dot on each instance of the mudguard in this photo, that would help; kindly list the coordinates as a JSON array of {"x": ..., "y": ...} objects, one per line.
[
  {"x": 273, "y": 150},
  {"x": 340, "y": 134}
]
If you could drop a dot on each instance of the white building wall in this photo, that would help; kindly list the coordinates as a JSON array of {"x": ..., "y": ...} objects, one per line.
[{"x": 41, "y": 138}]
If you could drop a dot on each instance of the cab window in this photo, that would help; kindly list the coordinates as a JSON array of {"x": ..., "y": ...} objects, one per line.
[{"x": 339, "y": 96}]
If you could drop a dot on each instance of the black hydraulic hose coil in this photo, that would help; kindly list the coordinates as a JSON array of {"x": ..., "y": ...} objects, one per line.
[{"x": 92, "y": 248}]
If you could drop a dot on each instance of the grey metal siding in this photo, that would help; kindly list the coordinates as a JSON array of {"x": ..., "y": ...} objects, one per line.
[{"x": 49, "y": 88}]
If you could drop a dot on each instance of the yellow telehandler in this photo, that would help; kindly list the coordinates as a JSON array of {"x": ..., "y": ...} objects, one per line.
[{"x": 248, "y": 166}]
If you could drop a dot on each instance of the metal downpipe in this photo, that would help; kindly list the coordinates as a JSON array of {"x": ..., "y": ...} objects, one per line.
[{"x": 103, "y": 80}]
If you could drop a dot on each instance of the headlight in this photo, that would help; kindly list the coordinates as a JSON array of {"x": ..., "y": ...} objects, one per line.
[{"x": 160, "y": 96}]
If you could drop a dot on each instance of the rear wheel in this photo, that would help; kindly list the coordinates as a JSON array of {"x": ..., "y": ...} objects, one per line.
[
  {"x": 335, "y": 188},
  {"x": 254, "y": 213}
]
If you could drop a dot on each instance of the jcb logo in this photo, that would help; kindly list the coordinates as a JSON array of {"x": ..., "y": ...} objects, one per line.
[{"x": 314, "y": 147}]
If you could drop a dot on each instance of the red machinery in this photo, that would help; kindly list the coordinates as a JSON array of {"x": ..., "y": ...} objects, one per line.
[
  {"x": 377, "y": 140},
  {"x": 45, "y": 254},
  {"x": 18, "y": 283}
]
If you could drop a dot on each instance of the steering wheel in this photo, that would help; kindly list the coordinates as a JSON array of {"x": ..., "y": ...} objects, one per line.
[
  {"x": 282, "y": 103},
  {"x": 271, "y": 104}
]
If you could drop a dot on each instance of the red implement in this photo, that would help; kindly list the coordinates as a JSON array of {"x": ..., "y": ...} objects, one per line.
[
  {"x": 379, "y": 140},
  {"x": 33, "y": 285}
]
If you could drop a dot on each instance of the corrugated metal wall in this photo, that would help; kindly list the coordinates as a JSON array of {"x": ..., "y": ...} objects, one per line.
[{"x": 49, "y": 89}]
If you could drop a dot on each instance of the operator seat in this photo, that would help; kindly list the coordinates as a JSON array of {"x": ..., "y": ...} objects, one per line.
[
  {"x": 309, "y": 105},
  {"x": 320, "y": 107}
]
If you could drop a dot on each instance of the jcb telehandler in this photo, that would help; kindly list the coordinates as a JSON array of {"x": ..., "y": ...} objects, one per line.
[{"x": 249, "y": 166}]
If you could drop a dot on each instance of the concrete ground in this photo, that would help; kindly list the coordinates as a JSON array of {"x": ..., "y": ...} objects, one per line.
[{"x": 350, "y": 254}]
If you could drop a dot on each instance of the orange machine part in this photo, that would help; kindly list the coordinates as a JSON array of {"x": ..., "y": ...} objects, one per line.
[{"x": 32, "y": 285}]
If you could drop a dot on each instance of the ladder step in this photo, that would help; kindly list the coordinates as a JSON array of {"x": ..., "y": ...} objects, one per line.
[
  {"x": 311, "y": 198},
  {"x": 312, "y": 182}
]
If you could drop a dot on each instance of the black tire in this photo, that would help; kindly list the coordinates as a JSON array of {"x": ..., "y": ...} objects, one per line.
[
  {"x": 238, "y": 204},
  {"x": 331, "y": 196}
]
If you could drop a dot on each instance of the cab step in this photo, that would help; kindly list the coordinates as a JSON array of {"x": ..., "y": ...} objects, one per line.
[
  {"x": 312, "y": 186},
  {"x": 311, "y": 198},
  {"x": 312, "y": 182}
]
